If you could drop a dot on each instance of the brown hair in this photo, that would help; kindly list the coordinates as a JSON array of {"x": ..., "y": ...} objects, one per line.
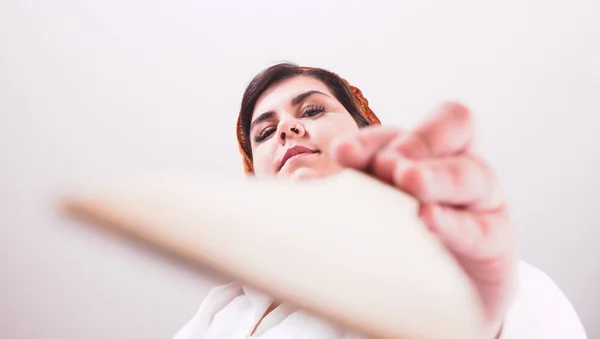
[{"x": 349, "y": 96}]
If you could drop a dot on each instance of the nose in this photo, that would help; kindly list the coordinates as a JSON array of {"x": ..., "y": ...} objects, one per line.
[{"x": 291, "y": 128}]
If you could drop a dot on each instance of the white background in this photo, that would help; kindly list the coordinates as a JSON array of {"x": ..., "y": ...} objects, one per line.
[{"x": 96, "y": 87}]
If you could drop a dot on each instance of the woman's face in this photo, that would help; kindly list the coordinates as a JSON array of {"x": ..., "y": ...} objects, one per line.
[{"x": 293, "y": 125}]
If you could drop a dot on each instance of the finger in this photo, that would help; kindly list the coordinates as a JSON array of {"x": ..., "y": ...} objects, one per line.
[
  {"x": 460, "y": 181},
  {"x": 358, "y": 150},
  {"x": 470, "y": 235},
  {"x": 484, "y": 244},
  {"x": 449, "y": 130}
]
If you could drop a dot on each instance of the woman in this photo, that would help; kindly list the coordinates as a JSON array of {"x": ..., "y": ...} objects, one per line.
[{"x": 304, "y": 123}]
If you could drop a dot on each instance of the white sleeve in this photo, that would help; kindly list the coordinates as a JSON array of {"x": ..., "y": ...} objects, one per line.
[{"x": 540, "y": 310}]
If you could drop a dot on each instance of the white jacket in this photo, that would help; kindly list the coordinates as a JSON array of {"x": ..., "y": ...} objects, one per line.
[{"x": 540, "y": 311}]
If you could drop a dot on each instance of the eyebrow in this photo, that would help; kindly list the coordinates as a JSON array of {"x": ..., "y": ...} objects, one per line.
[
  {"x": 265, "y": 116},
  {"x": 295, "y": 101},
  {"x": 301, "y": 97}
]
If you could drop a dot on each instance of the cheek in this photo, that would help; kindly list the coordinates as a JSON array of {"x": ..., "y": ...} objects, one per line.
[{"x": 263, "y": 159}]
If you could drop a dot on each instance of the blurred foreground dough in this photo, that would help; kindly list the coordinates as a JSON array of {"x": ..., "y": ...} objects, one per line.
[{"x": 348, "y": 248}]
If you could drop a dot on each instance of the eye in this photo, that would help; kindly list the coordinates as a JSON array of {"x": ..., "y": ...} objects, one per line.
[
  {"x": 264, "y": 134},
  {"x": 311, "y": 111}
]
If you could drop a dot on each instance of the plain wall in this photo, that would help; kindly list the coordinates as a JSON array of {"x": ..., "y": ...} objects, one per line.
[{"x": 89, "y": 88}]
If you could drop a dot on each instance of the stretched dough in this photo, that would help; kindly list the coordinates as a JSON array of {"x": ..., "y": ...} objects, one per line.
[{"x": 348, "y": 248}]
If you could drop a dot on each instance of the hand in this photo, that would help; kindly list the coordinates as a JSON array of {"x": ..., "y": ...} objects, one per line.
[{"x": 460, "y": 198}]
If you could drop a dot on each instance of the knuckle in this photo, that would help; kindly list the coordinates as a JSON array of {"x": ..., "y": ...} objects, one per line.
[
  {"x": 413, "y": 145},
  {"x": 422, "y": 145}
]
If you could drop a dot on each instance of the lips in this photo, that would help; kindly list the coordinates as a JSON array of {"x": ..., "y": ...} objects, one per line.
[{"x": 295, "y": 151}]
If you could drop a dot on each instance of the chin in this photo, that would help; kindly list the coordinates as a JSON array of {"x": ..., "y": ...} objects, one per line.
[
  {"x": 308, "y": 173},
  {"x": 304, "y": 173}
]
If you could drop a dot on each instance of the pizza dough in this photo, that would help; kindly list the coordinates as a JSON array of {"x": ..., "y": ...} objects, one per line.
[{"x": 347, "y": 248}]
